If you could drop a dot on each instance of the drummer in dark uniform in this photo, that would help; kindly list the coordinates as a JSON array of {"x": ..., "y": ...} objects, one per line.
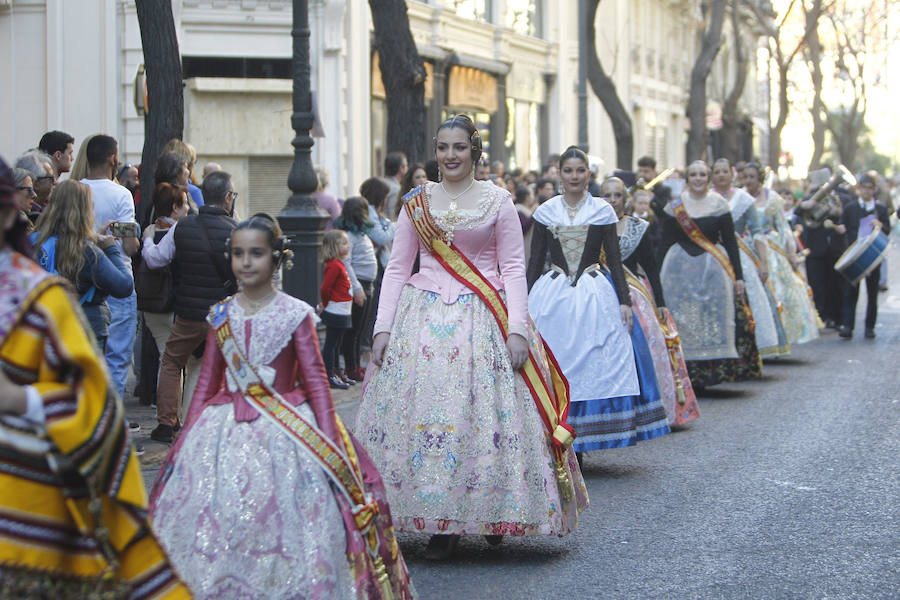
[
  {"x": 823, "y": 236},
  {"x": 860, "y": 218}
]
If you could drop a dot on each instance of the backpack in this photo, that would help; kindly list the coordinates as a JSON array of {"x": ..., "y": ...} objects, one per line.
[{"x": 46, "y": 257}]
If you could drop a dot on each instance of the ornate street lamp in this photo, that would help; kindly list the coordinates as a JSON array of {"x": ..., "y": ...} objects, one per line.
[{"x": 302, "y": 220}]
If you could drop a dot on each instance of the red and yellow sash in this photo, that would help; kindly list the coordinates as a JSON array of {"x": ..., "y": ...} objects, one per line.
[
  {"x": 339, "y": 464},
  {"x": 552, "y": 401},
  {"x": 696, "y": 235}
]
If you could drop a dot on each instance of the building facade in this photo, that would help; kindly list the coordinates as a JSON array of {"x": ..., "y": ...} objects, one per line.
[{"x": 511, "y": 64}]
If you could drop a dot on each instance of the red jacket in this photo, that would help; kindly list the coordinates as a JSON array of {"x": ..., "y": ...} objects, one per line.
[{"x": 335, "y": 283}]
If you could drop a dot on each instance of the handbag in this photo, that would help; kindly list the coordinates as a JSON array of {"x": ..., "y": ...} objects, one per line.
[{"x": 155, "y": 288}]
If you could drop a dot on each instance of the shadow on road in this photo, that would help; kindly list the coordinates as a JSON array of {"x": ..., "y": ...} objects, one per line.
[{"x": 719, "y": 393}]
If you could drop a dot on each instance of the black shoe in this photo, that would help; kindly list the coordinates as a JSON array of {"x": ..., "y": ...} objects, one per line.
[
  {"x": 831, "y": 324},
  {"x": 133, "y": 426},
  {"x": 163, "y": 433},
  {"x": 870, "y": 333},
  {"x": 493, "y": 540},
  {"x": 336, "y": 383},
  {"x": 882, "y": 288},
  {"x": 343, "y": 376},
  {"x": 441, "y": 546},
  {"x": 138, "y": 449},
  {"x": 845, "y": 332}
]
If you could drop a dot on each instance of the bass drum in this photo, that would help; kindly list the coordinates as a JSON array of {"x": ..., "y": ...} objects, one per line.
[{"x": 863, "y": 256}]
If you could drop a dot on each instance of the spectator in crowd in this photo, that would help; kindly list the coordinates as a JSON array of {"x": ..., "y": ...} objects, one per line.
[
  {"x": 415, "y": 176},
  {"x": 550, "y": 171},
  {"x": 170, "y": 204},
  {"x": 498, "y": 169},
  {"x": 395, "y": 168},
  {"x": 80, "y": 166},
  {"x": 60, "y": 147},
  {"x": 337, "y": 303},
  {"x": 482, "y": 170},
  {"x": 189, "y": 155},
  {"x": 114, "y": 204},
  {"x": 544, "y": 189},
  {"x": 66, "y": 242},
  {"x": 325, "y": 200},
  {"x": 211, "y": 167},
  {"x": 128, "y": 178},
  {"x": 43, "y": 177},
  {"x": 196, "y": 249},
  {"x": 25, "y": 197},
  {"x": 362, "y": 267},
  {"x": 382, "y": 235},
  {"x": 432, "y": 172}
]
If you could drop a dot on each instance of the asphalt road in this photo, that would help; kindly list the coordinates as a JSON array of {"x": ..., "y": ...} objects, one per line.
[{"x": 784, "y": 488}]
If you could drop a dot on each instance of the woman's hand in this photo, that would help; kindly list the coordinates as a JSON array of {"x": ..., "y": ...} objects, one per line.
[
  {"x": 627, "y": 316},
  {"x": 518, "y": 350},
  {"x": 739, "y": 288},
  {"x": 763, "y": 272},
  {"x": 105, "y": 241},
  {"x": 150, "y": 231},
  {"x": 359, "y": 297},
  {"x": 13, "y": 398},
  {"x": 379, "y": 345}
]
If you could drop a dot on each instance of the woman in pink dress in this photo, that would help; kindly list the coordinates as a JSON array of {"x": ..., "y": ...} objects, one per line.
[
  {"x": 243, "y": 507},
  {"x": 447, "y": 415}
]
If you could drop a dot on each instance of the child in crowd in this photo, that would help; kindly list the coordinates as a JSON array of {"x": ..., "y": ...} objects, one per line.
[
  {"x": 337, "y": 303},
  {"x": 246, "y": 505}
]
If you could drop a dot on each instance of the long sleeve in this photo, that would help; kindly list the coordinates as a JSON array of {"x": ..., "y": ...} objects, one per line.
[
  {"x": 212, "y": 375},
  {"x": 538, "y": 253},
  {"x": 726, "y": 234},
  {"x": 610, "y": 239},
  {"x": 511, "y": 258},
  {"x": 329, "y": 278},
  {"x": 355, "y": 286},
  {"x": 109, "y": 273},
  {"x": 382, "y": 233},
  {"x": 646, "y": 258},
  {"x": 314, "y": 379},
  {"x": 397, "y": 273},
  {"x": 161, "y": 254}
]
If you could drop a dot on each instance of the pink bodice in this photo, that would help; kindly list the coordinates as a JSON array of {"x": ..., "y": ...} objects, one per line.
[
  {"x": 282, "y": 344},
  {"x": 491, "y": 240}
]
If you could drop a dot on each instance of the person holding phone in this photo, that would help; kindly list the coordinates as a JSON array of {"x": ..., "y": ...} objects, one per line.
[
  {"x": 66, "y": 242},
  {"x": 113, "y": 203}
]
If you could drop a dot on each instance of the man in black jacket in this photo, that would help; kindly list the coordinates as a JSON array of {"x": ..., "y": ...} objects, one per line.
[
  {"x": 860, "y": 217},
  {"x": 202, "y": 276}
]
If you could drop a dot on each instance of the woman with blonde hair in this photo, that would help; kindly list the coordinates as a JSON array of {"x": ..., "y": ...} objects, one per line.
[
  {"x": 65, "y": 242},
  {"x": 80, "y": 166}
]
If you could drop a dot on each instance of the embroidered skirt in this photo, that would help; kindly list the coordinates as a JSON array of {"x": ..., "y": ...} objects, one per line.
[
  {"x": 799, "y": 312},
  {"x": 454, "y": 430},
  {"x": 247, "y": 514}
]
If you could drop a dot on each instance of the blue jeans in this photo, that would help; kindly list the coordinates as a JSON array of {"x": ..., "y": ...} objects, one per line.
[{"x": 120, "y": 341}]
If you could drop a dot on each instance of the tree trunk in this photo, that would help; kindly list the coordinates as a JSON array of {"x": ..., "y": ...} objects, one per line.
[
  {"x": 403, "y": 75},
  {"x": 605, "y": 89},
  {"x": 783, "y": 107},
  {"x": 731, "y": 146},
  {"x": 696, "y": 108},
  {"x": 814, "y": 59},
  {"x": 164, "y": 118}
]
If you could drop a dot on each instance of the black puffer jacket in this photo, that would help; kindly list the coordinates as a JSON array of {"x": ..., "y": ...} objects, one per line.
[{"x": 198, "y": 284}]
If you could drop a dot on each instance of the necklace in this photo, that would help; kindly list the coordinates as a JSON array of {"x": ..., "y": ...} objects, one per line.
[
  {"x": 254, "y": 306},
  {"x": 453, "y": 198},
  {"x": 573, "y": 210}
]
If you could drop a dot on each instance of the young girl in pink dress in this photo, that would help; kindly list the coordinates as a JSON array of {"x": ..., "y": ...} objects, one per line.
[{"x": 243, "y": 506}]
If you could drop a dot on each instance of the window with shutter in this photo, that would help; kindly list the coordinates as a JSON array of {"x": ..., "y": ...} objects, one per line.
[{"x": 267, "y": 189}]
